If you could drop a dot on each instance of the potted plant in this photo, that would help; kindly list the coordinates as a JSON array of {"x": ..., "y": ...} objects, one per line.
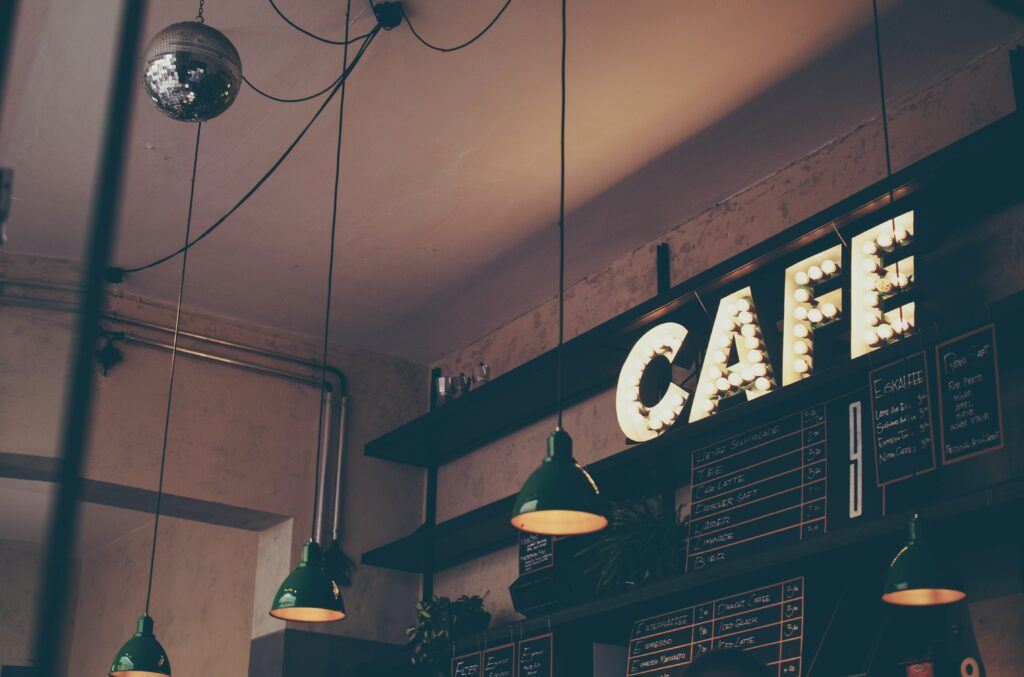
[
  {"x": 643, "y": 542},
  {"x": 439, "y": 621}
]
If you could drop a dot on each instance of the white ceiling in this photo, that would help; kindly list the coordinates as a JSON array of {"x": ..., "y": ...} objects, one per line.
[
  {"x": 449, "y": 186},
  {"x": 25, "y": 508}
]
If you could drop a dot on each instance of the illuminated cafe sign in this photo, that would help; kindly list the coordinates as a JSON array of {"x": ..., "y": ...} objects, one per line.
[{"x": 736, "y": 361}]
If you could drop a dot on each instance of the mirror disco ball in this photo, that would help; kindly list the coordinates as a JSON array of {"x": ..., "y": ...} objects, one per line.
[{"x": 191, "y": 71}]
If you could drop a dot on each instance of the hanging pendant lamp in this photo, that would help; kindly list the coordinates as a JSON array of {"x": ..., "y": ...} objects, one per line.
[
  {"x": 560, "y": 498},
  {"x": 309, "y": 594},
  {"x": 142, "y": 654},
  {"x": 918, "y": 577}
]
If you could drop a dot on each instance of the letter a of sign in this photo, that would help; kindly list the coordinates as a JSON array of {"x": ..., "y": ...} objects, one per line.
[
  {"x": 642, "y": 423},
  {"x": 736, "y": 332}
]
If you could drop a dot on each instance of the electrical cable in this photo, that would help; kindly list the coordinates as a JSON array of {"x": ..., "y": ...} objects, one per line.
[
  {"x": 117, "y": 274},
  {"x": 281, "y": 99},
  {"x": 467, "y": 43},
  {"x": 346, "y": 41},
  {"x": 561, "y": 230},
  {"x": 174, "y": 355},
  {"x": 330, "y": 280}
]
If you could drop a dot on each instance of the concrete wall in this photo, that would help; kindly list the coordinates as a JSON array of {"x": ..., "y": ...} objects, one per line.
[
  {"x": 240, "y": 440},
  {"x": 961, "y": 102},
  {"x": 20, "y": 563},
  {"x": 202, "y": 596}
]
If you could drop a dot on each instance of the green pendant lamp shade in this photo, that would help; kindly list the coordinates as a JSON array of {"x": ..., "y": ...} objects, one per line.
[
  {"x": 308, "y": 594},
  {"x": 141, "y": 655},
  {"x": 559, "y": 498},
  {"x": 918, "y": 577}
]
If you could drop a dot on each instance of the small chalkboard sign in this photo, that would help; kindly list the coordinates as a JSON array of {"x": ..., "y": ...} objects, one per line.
[
  {"x": 901, "y": 419},
  {"x": 467, "y": 665},
  {"x": 500, "y": 661},
  {"x": 536, "y": 657},
  {"x": 970, "y": 410},
  {"x": 536, "y": 552}
]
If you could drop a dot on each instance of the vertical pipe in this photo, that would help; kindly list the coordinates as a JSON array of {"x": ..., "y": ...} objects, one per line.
[
  {"x": 321, "y": 471},
  {"x": 343, "y": 409},
  {"x": 102, "y": 229}
]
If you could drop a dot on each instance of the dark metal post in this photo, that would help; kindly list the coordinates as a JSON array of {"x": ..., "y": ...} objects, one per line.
[
  {"x": 8, "y": 17},
  {"x": 102, "y": 229},
  {"x": 1017, "y": 71},
  {"x": 429, "y": 520},
  {"x": 664, "y": 264}
]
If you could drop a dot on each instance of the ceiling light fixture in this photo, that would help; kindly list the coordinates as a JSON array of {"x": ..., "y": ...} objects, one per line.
[
  {"x": 560, "y": 498},
  {"x": 142, "y": 654},
  {"x": 192, "y": 72},
  {"x": 309, "y": 594},
  {"x": 916, "y": 576}
]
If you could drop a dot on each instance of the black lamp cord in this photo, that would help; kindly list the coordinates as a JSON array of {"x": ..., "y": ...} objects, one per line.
[
  {"x": 330, "y": 280},
  {"x": 561, "y": 231},
  {"x": 890, "y": 189},
  {"x": 117, "y": 272},
  {"x": 461, "y": 45},
  {"x": 174, "y": 356}
]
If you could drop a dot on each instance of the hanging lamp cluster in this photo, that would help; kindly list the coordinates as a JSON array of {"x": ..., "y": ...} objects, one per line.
[{"x": 560, "y": 498}]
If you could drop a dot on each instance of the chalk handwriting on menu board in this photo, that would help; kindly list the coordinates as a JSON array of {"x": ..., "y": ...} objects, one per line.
[
  {"x": 467, "y": 665},
  {"x": 767, "y": 622},
  {"x": 536, "y": 657},
  {"x": 970, "y": 410},
  {"x": 765, "y": 487},
  {"x": 500, "y": 661},
  {"x": 536, "y": 552},
  {"x": 901, "y": 419}
]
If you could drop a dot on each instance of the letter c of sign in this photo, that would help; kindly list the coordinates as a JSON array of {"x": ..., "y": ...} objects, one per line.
[{"x": 639, "y": 422}]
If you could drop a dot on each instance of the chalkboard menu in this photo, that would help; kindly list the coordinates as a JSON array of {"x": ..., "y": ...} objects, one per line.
[
  {"x": 536, "y": 552},
  {"x": 901, "y": 419},
  {"x": 767, "y": 622},
  {"x": 765, "y": 487},
  {"x": 500, "y": 661},
  {"x": 536, "y": 657},
  {"x": 467, "y": 665},
  {"x": 970, "y": 412}
]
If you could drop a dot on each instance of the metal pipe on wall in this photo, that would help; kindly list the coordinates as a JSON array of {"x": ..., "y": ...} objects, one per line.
[
  {"x": 342, "y": 411},
  {"x": 339, "y": 384},
  {"x": 325, "y": 448}
]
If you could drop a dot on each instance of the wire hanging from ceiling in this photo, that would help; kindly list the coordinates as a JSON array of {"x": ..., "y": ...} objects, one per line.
[
  {"x": 455, "y": 48},
  {"x": 281, "y": 99},
  {"x": 302, "y": 30},
  {"x": 117, "y": 274}
]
